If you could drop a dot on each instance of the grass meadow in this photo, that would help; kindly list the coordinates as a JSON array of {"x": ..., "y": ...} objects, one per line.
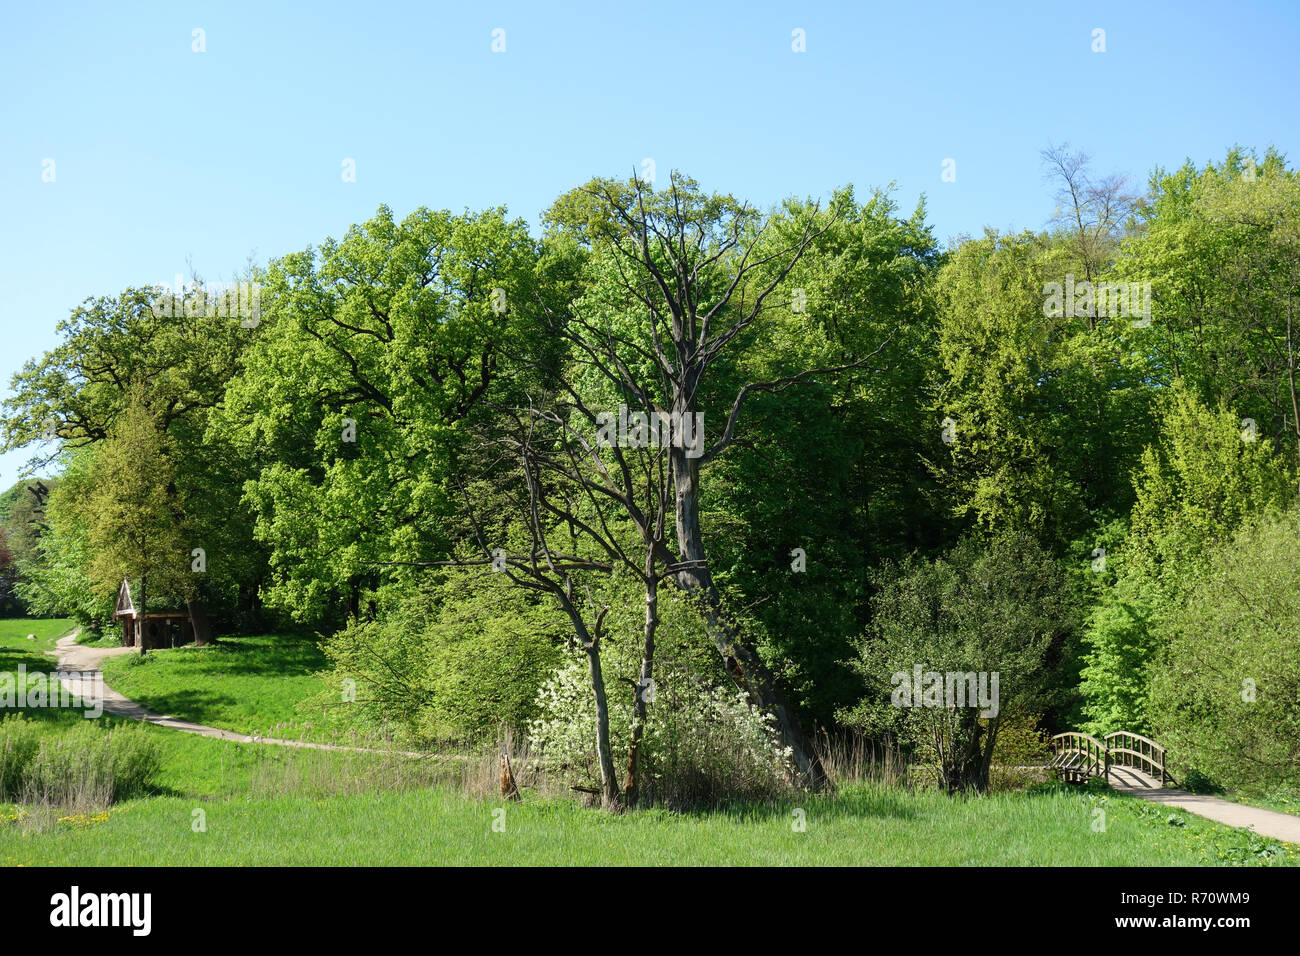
[{"x": 216, "y": 802}]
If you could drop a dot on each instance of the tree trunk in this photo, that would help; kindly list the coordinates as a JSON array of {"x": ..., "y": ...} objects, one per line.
[
  {"x": 1291, "y": 381},
  {"x": 199, "y": 621},
  {"x": 741, "y": 660},
  {"x": 143, "y": 627},
  {"x": 608, "y": 781},
  {"x": 631, "y": 785},
  {"x": 967, "y": 754}
]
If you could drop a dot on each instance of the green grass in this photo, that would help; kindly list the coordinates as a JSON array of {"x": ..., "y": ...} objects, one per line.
[
  {"x": 110, "y": 637},
  {"x": 272, "y": 805},
  {"x": 1281, "y": 801},
  {"x": 251, "y": 685},
  {"x": 863, "y": 825},
  {"x": 15, "y": 649},
  {"x": 207, "y": 768},
  {"x": 268, "y": 805}
]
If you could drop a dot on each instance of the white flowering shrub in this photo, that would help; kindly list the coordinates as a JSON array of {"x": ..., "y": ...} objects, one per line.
[{"x": 703, "y": 744}]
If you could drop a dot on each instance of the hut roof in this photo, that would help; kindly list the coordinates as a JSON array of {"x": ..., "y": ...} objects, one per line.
[{"x": 126, "y": 605}]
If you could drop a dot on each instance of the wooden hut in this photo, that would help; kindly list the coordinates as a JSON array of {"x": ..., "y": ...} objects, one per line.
[{"x": 160, "y": 628}]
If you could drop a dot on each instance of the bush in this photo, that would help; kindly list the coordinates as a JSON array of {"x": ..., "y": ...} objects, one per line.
[
  {"x": 72, "y": 770},
  {"x": 20, "y": 739},
  {"x": 90, "y": 768},
  {"x": 452, "y": 660},
  {"x": 136, "y": 761},
  {"x": 1197, "y": 782},
  {"x": 703, "y": 744},
  {"x": 1021, "y": 745}
]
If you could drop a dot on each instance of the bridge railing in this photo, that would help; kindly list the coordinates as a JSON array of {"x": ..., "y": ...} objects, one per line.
[
  {"x": 1127, "y": 749},
  {"x": 1080, "y": 754}
]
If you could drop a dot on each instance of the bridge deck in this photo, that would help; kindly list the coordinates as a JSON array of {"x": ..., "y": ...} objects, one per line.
[{"x": 1131, "y": 778}]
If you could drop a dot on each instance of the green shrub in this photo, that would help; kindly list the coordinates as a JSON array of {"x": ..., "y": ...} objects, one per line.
[
  {"x": 703, "y": 744},
  {"x": 1021, "y": 745},
  {"x": 90, "y": 768},
  {"x": 450, "y": 661},
  {"x": 136, "y": 761},
  {"x": 20, "y": 739},
  {"x": 1197, "y": 782},
  {"x": 71, "y": 770}
]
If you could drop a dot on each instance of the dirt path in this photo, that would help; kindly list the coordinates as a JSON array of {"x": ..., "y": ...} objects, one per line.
[
  {"x": 1270, "y": 823},
  {"x": 77, "y": 657}
]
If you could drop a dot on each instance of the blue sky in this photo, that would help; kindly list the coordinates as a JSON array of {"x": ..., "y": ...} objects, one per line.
[{"x": 164, "y": 156}]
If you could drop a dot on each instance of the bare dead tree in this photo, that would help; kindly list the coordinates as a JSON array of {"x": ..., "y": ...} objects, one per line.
[{"x": 1092, "y": 211}]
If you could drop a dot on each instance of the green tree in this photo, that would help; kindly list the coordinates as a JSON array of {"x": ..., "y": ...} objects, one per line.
[
  {"x": 1044, "y": 413},
  {"x": 682, "y": 283},
  {"x": 53, "y": 577},
  {"x": 351, "y": 404},
  {"x": 1195, "y": 488},
  {"x": 1221, "y": 248},
  {"x": 992, "y": 606},
  {"x": 833, "y": 466},
  {"x": 181, "y": 356},
  {"x": 130, "y": 513},
  {"x": 1224, "y": 693}
]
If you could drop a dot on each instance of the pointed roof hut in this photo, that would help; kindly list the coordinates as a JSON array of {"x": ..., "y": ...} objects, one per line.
[{"x": 161, "y": 628}]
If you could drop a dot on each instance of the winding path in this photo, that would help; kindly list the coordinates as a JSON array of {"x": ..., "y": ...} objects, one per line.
[{"x": 76, "y": 657}]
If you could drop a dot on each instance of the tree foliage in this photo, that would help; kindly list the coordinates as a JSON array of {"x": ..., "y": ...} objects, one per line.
[{"x": 909, "y": 454}]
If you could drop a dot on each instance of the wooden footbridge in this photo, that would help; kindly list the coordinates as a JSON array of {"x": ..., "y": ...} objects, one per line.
[
  {"x": 1122, "y": 758},
  {"x": 1136, "y": 765}
]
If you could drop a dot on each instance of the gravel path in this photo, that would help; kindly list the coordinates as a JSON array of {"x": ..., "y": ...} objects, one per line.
[
  {"x": 1280, "y": 826},
  {"x": 77, "y": 657}
]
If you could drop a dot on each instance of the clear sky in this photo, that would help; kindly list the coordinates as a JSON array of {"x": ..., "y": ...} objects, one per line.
[{"x": 163, "y": 156}]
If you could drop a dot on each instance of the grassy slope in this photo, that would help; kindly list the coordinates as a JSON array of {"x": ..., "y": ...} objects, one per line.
[
  {"x": 251, "y": 685},
  {"x": 16, "y": 649},
  {"x": 110, "y": 637},
  {"x": 862, "y": 826}
]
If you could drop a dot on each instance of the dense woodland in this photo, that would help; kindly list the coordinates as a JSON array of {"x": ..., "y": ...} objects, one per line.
[{"x": 912, "y": 454}]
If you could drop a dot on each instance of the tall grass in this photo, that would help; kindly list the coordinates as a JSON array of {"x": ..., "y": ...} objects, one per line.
[
  {"x": 84, "y": 768},
  {"x": 20, "y": 740},
  {"x": 850, "y": 757}
]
